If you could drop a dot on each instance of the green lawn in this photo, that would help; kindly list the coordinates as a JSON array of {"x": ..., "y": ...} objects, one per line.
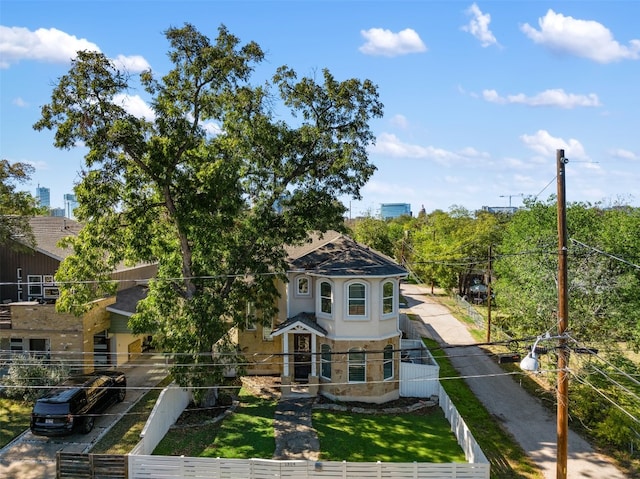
[
  {"x": 125, "y": 434},
  {"x": 245, "y": 434},
  {"x": 14, "y": 419},
  {"x": 385, "y": 437}
]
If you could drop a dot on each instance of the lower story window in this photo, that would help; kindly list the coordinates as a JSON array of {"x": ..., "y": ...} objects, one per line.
[
  {"x": 387, "y": 362},
  {"x": 357, "y": 365},
  {"x": 325, "y": 358}
]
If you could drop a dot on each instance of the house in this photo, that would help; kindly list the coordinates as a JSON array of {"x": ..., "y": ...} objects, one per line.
[
  {"x": 28, "y": 319},
  {"x": 338, "y": 326}
]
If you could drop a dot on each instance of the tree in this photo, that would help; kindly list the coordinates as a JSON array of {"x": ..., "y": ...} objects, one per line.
[
  {"x": 16, "y": 207},
  {"x": 213, "y": 210},
  {"x": 28, "y": 376}
]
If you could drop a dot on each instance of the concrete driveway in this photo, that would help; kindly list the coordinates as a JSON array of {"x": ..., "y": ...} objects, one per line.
[
  {"x": 34, "y": 457},
  {"x": 533, "y": 427}
]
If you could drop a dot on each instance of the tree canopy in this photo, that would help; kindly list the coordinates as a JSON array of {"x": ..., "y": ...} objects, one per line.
[
  {"x": 211, "y": 188},
  {"x": 16, "y": 207}
]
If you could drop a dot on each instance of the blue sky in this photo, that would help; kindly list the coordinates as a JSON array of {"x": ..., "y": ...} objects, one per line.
[{"x": 478, "y": 96}]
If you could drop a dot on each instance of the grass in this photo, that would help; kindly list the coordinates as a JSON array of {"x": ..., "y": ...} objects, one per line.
[
  {"x": 14, "y": 419},
  {"x": 507, "y": 459},
  {"x": 247, "y": 433},
  {"x": 125, "y": 433},
  {"x": 389, "y": 438}
]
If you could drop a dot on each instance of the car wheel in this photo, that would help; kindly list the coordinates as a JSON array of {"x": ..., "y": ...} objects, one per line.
[
  {"x": 87, "y": 425},
  {"x": 121, "y": 394}
]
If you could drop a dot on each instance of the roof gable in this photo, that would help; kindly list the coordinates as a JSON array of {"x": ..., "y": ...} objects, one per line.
[{"x": 339, "y": 255}]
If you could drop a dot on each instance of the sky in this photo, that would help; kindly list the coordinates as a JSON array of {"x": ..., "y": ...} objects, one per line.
[{"x": 478, "y": 96}]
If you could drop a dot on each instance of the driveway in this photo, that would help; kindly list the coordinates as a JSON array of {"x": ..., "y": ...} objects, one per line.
[
  {"x": 532, "y": 426},
  {"x": 34, "y": 457}
]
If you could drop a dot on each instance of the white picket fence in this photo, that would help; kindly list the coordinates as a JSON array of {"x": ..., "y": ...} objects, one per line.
[{"x": 164, "y": 467}]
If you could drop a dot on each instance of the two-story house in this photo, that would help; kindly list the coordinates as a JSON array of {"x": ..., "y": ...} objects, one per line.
[
  {"x": 338, "y": 326},
  {"x": 28, "y": 319}
]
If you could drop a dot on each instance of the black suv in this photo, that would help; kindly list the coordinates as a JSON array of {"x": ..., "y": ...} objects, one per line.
[{"x": 73, "y": 404}]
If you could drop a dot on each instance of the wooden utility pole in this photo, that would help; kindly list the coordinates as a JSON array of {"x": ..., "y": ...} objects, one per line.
[
  {"x": 563, "y": 306},
  {"x": 489, "y": 297}
]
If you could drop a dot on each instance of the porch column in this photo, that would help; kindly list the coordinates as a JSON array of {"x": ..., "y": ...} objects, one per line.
[
  {"x": 285, "y": 351},
  {"x": 314, "y": 359}
]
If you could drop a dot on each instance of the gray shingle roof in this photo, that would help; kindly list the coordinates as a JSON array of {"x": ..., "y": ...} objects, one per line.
[
  {"x": 48, "y": 230},
  {"x": 339, "y": 255},
  {"x": 127, "y": 300},
  {"x": 306, "y": 320}
]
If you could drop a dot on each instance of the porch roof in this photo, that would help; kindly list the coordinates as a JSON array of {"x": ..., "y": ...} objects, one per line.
[{"x": 305, "y": 321}]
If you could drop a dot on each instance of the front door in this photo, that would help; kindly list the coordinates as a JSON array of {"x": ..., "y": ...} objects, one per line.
[{"x": 301, "y": 357}]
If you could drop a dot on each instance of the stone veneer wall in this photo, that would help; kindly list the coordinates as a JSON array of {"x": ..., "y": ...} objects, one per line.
[{"x": 375, "y": 389}]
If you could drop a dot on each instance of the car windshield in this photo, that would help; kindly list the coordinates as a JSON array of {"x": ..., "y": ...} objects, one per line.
[{"x": 50, "y": 408}]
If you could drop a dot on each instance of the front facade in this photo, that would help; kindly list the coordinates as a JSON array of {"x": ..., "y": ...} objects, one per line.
[
  {"x": 338, "y": 327},
  {"x": 29, "y": 322}
]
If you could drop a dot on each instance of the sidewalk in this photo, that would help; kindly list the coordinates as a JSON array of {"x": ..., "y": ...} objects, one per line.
[
  {"x": 532, "y": 426},
  {"x": 295, "y": 436}
]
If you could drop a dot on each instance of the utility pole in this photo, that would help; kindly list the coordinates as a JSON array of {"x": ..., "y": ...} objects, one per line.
[
  {"x": 489, "y": 296},
  {"x": 563, "y": 306}
]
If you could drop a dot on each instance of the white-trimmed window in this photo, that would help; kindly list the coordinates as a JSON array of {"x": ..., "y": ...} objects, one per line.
[
  {"x": 388, "y": 298},
  {"x": 357, "y": 300},
  {"x": 387, "y": 361},
  {"x": 357, "y": 365},
  {"x": 325, "y": 361},
  {"x": 18, "y": 273},
  {"x": 303, "y": 286},
  {"x": 326, "y": 298},
  {"x": 267, "y": 329},
  {"x": 35, "y": 285},
  {"x": 251, "y": 316}
]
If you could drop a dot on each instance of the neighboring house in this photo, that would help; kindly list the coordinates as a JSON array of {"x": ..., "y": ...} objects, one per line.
[
  {"x": 338, "y": 327},
  {"x": 28, "y": 320}
]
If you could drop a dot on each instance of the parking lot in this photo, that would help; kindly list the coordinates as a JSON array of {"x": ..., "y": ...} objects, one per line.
[{"x": 34, "y": 457}]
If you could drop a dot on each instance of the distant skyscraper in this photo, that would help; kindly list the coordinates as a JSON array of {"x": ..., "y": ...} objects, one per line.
[
  {"x": 57, "y": 212},
  {"x": 43, "y": 196},
  {"x": 393, "y": 210},
  {"x": 70, "y": 204}
]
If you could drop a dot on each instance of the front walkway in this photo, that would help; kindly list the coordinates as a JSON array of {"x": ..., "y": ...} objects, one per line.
[{"x": 295, "y": 436}]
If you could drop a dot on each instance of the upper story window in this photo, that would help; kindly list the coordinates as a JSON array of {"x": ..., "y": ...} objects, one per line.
[
  {"x": 326, "y": 297},
  {"x": 325, "y": 357},
  {"x": 251, "y": 316},
  {"x": 387, "y": 361},
  {"x": 388, "y": 298},
  {"x": 302, "y": 286},
  {"x": 267, "y": 329},
  {"x": 357, "y": 299},
  {"x": 35, "y": 285}
]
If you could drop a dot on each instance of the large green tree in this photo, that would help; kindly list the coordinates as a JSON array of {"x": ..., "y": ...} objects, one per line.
[
  {"x": 16, "y": 207},
  {"x": 214, "y": 210}
]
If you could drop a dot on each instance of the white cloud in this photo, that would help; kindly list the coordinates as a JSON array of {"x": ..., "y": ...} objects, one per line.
[
  {"x": 20, "y": 102},
  {"x": 554, "y": 97},
  {"x": 478, "y": 26},
  {"x": 546, "y": 145},
  {"x": 624, "y": 154},
  {"x": 53, "y": 46},
  {"x": 47, "y": 45},
  {"x": 390, "y": 145},
  {"x": 135, "y": 106},
  {"x": 386, "y": 43},
  {"x": 133, "y": 63},
  {"x": 400, "y": 121},
  {"x": 582, "y": 38}
]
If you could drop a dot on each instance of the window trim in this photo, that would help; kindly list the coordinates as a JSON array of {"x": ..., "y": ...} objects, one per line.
[
  {"x": 34, "y": 288},
  {"x": 360, "y": 364},
  {"x": 267, "y": 328},
  {"x": 365, "y": 301},
  {"x": 321, "y": 298},
  {"x": 325, "y": 349},
  {"x": 392, "y": 313},
  {"x": 299, "y": 280},
  {"x": 388, "y": 361},
  {"x": 250, "y": 317}
]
